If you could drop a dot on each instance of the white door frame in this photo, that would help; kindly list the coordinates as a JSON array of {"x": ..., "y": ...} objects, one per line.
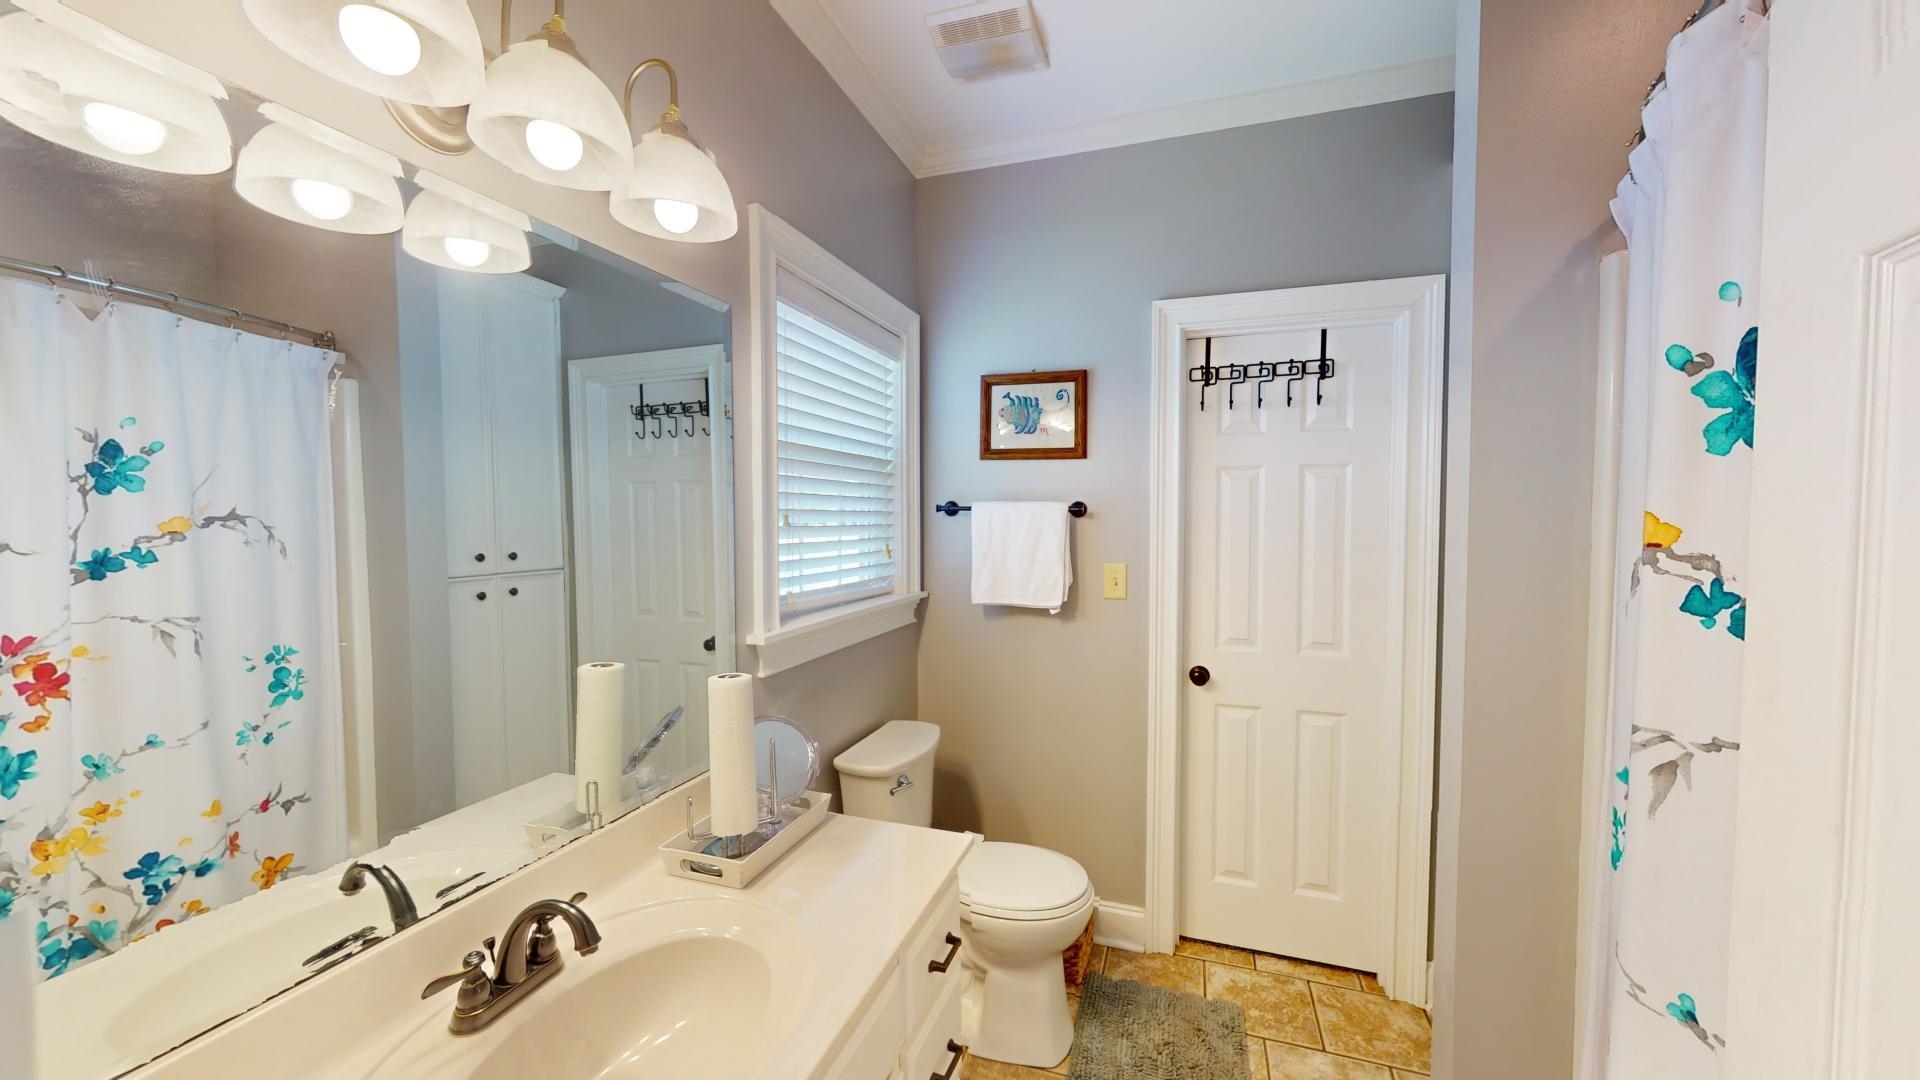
[
  {"x": 1416, "y": 309},
  {"x": 591, "y": 376}
]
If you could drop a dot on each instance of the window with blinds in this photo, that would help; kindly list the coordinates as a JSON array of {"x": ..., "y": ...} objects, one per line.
[{"x": 838, "y": 413}]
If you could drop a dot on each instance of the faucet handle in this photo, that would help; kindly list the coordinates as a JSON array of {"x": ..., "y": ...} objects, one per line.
[{"x": 475, "y": 987}]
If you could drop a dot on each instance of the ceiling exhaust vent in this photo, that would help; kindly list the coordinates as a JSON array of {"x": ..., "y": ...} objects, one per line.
[{"x": 983, "y": 40}]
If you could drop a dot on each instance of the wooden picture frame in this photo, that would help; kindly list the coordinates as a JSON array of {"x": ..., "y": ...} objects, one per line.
[{"x": 1033, "y": 416}]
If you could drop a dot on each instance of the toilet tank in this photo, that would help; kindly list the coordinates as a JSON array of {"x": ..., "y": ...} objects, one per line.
[{"x": 889, "y": 774}]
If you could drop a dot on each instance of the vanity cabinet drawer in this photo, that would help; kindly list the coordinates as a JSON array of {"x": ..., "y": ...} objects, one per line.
[
  {"x": 932, "y": 962},
  {"x": 930, "y": 1053},
  {"x": 874, "y": 1050}
]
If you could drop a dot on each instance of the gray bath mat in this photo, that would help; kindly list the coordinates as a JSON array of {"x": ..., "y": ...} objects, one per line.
[{"x": 1132, "y": 1031}]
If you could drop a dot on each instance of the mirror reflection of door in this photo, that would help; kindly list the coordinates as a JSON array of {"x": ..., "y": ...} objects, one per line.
[{"x": 644, "y": 523}]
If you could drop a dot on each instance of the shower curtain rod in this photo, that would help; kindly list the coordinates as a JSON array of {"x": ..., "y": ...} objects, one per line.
[
  {"x": 1640, "y": 136},
  {"x": 171, "y": 301}
]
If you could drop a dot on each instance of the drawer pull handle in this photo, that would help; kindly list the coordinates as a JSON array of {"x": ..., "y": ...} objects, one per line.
[
  {"x": 939, "y": 967},
  {"x": 957, "y": 1051}
]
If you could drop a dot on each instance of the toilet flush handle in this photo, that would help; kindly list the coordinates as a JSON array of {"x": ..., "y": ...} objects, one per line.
[{"x": 900, "y": 782}]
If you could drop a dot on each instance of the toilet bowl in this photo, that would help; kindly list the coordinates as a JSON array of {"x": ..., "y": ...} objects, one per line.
[{"x": 1020, "y": 905}]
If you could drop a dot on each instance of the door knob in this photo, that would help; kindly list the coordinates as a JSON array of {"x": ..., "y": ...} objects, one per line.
[
  {"x": 1199, "y": 675},
  {"x": 707, "y": 644}
]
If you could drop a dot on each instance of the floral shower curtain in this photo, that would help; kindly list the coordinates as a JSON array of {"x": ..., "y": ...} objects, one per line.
[
  {"x": 1690, "y": 209},
  {"x": 170, "y": 723}
]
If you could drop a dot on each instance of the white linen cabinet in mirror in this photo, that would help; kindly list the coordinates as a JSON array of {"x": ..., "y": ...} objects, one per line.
[{"x": 500, "y": 378}]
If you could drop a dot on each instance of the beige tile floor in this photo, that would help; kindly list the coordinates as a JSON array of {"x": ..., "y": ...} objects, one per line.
[{"x": 1305, "y": 1021}]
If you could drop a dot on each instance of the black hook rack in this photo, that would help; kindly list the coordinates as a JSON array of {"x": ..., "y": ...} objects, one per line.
[
  {"x": 1208, "y": 374},
  {"x": 953, "y": 509},
  {"x": 661, "y": 413}
]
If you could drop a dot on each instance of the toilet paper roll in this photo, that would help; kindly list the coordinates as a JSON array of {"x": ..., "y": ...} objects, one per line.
[
  {"x": 599, "y": 726},
  {"x": 731, "y": 789}
]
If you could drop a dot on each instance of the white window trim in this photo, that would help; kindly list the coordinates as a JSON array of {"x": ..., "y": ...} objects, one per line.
[{"x": 774, "y": 246}]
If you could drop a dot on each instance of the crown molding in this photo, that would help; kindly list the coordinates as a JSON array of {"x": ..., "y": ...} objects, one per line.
[
  {"x": 817, "y": 30},
  {"x": 1377, "y": 86}
]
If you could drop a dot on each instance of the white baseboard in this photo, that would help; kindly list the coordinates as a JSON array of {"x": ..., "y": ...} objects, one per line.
[{"x": 1120, "y": 926}]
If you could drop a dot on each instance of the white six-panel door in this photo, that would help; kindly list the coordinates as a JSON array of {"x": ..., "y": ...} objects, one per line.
[
  {"x": 1288, "y": 811},
  {"x": 1825, "y": 944},
  {"x": 645, "y": 526},
  {"x": 1295, "y": 554}
]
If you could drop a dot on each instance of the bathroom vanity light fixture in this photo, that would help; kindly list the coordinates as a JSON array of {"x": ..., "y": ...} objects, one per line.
[
  {"x": 450, "y": 226},
  {"x": 426, "y": 52},
  {"x": 675, "y": 190},
  {"x": 545, "y": 115},
  {"x": 304, "y": 171},
  {"x": 72, "y": 81}
]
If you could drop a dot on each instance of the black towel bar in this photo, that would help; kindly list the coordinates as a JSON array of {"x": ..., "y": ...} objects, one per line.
[{"x": 953, "y": 509}]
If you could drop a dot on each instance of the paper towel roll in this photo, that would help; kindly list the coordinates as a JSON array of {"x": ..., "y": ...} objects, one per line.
[
  {"x": 599, "y": 726},
  {"x": 732, "y": 791}
]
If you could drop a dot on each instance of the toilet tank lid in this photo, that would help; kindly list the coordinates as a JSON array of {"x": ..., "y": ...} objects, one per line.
[{"x": 890, "y": 749}]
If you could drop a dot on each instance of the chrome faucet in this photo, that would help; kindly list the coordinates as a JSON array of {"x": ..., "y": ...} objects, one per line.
[
  {"x": 399, "y": 901},
  {"x": 530, "y": 956}
]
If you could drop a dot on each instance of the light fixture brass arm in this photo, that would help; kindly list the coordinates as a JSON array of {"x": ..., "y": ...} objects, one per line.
[
  {"x": 670, "y": 120},
  {"x": 554, "y": 29}
]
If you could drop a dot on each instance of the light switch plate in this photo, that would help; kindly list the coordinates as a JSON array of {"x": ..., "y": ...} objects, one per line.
[{"x": 1116, "y": 581}]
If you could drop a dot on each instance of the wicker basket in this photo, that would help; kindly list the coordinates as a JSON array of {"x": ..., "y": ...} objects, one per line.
[{"x": 1078, "y": 958}]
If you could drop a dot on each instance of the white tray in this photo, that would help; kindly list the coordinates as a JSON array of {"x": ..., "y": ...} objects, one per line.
[{"x": 690, "y": 858}]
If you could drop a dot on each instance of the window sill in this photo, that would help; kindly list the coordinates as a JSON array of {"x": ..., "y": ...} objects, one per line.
[{"x": 815, "y": 637}]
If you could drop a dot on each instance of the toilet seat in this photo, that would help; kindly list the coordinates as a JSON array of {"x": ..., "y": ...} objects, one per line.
[{"x": 1022, "y": 883}]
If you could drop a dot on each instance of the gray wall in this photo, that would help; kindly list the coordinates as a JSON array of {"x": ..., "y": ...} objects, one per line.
[
  {"x": 69, "y": 209},
  {"x": 781, "y": 130},
  {"x": 607, "y": 312},
  {"x": 1557, "y": 87},
  {"x": 1055, "y": 264}
]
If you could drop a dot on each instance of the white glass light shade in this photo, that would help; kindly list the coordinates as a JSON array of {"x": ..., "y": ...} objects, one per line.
[
  {"x": 670, "y": 169},
  {"x": 293, "y": 149},
  {"x": 81, "y": 87},
  {"x": 450, "y": 68},
  {"x": 534, "y": 81},
  {"x": 450, "y": 226}
]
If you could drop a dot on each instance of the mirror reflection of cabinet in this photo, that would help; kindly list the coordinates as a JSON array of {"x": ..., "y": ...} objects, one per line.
[
  {"x": 505, "y": 474},
  {"x": 500, "y": 386},
  {"x": 509, "y": 668}
]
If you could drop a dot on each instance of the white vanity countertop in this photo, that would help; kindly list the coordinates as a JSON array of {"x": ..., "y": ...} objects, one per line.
[
  {"x": 231, "y": 959},
  {"x": 851, "y": 893}
]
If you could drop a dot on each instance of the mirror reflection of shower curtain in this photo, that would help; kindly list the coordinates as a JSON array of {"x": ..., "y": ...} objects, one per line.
[
  {"x": 1691, "y": 212},
  {"x": 170, "y": 716}
]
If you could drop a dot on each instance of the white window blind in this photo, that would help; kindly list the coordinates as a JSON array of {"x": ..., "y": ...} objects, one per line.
[{"x": 838, "y": 413}]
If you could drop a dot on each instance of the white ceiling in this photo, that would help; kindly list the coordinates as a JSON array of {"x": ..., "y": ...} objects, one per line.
[{"x": 1124, "y": 71}]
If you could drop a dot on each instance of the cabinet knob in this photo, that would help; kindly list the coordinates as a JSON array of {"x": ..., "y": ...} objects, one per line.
[
  {"x": 515, "y": 591},
  {"x": 480, "y": 596},
  {"x": 479, "y": 556},
  {"x": 513, "y": 556}
]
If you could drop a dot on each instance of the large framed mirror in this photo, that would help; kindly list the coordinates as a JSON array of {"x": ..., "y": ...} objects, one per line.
[{"x": 305, "y": 541}]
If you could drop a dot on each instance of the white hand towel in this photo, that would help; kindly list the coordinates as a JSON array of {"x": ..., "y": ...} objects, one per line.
[{"x": 1021, "y": 555}]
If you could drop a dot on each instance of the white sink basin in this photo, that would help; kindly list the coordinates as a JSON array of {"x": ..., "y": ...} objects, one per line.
[
  {"x": 223, "y": 963},
  {"x": 681, "y": 988}
]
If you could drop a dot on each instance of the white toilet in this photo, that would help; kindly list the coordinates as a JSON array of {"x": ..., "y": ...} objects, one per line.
[{"x": 1022, "y": 905}]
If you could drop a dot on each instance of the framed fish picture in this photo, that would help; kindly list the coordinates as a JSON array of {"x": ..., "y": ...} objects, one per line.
[{"x": 1034, "y": 416}]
